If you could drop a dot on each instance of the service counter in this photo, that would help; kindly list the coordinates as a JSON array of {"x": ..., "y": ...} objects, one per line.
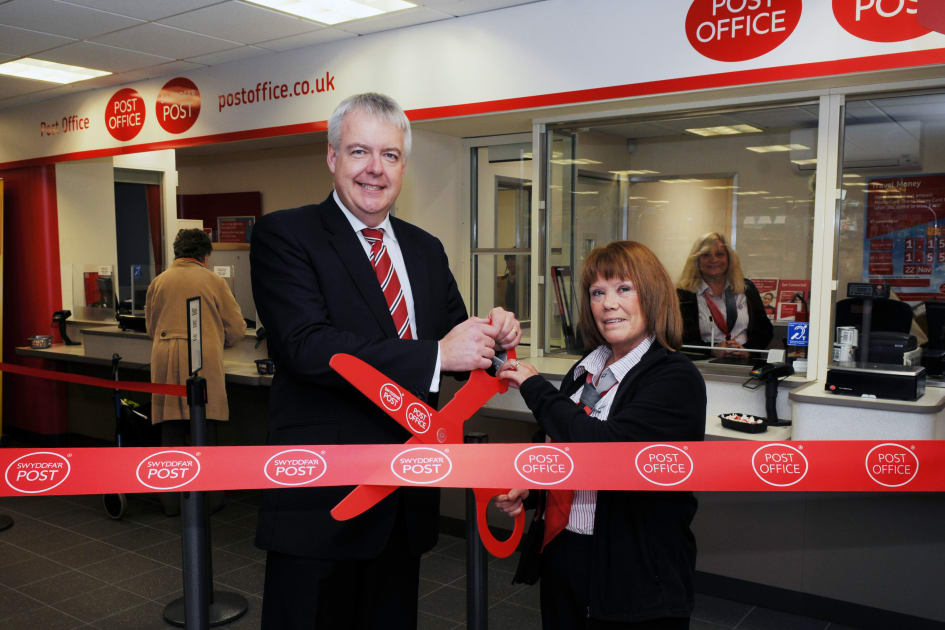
[{"x": 813, "y": 552}]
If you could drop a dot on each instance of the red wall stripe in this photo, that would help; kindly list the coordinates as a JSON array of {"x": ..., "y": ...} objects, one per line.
[{"x": 666, "y": 86}]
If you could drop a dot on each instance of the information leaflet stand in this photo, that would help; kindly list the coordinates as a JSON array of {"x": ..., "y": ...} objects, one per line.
[{"x": 200, "y": 607}]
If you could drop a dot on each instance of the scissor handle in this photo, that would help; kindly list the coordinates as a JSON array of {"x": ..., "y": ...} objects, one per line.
[{"x": 498, "y": 548}]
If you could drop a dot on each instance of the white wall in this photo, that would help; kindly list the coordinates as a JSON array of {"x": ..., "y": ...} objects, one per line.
[
  {"x": 287, "y": 177},
  {"x": 85, "y": 196}
]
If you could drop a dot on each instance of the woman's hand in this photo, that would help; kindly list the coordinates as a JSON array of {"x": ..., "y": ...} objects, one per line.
[
  {"x": 731, "y": 343},
  {"x": 516, "y": 372},
  {"x": 511, "y": 503}
]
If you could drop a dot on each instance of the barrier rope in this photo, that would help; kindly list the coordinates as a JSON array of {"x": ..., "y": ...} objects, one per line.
[{"x": 134, "y": 386}]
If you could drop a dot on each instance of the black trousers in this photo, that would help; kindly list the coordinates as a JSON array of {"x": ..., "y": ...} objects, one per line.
[
  {"x": 565, "y": 590},
  {"x": 305, "y": 593}
]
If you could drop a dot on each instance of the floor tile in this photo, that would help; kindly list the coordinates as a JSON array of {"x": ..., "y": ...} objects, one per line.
[
  {"x": 167, "y": 552},
  {"x": 506, "y": 616},
  {"x": 121, "y": 567},
  {"x": 427, "y": 621},
  {"x": 43, "y": 618},
  {"x": 721, "y": 612},
  {"x": 499, "y": 584},
  {"x": 52, "y": 543},
  {"x": 766, "y": 619},
  {"x": 91, "y": 552},
  {"x": 248, "y": 579},
  {"x": 60, "y": 587},
  {"x": 447, "y": 603},
  {"x": 442, "y": 569},
  {"x": 100, "y": 603},
  {"x": 137, "y": 538},
  {"x": 13, "y": 602},
  {"x": 74, "y": 515},
  {"x": 29, "y": 571},
  {"x": 155, "y": 584},
  {"x": 11, "y": 554},
  {"x": 146, "y": 616}
]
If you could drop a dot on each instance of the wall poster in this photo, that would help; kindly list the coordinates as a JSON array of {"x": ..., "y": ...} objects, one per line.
[{"x": 905, "y": 235}]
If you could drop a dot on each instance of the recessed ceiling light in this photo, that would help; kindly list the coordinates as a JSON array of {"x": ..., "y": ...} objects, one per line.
[
  {"x": 39, "y": 70},
  {"x": 335, "y": 11},
  {"x": 724, "y": 130},
  {"x": 774, "y": 148}
]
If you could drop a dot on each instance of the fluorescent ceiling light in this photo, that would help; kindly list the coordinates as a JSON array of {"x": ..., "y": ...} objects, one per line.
[
  {"x": 641, "y": 171},
  {"x": 718, "y": 188},
  {"x": 724, "y": 130},
  {"x": 753, "y": 192},
  {"x": 29, "y": 68},
  {"x": 579, "y": 161},
  {"x": 680, "y": 180},
  {"x": 585, "y": 192},
  {"x": 852, "y": 175},
  {"x": 335, "y": 11},
  {"x": 774, "y": 148},
  {"x": 804, "y": 162}
]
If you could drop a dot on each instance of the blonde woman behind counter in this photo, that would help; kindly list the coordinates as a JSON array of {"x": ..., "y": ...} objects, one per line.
[
  {"x": 223, "y": 325},
  {"x": 719, "y": 305}
]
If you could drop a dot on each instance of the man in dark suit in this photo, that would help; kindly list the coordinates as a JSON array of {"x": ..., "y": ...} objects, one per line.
[{"x": 317, "y": 282}]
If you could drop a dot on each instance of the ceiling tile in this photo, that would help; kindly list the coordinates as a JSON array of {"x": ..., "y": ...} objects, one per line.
[
  {"x": 59, "y": 18},
  {"x": 468, "y": 7},
  {"x": 21, "y": 42},
  {"x": 145, "y": 9},
  {"x": 101, "y": 57},
  {"x": 400, "y": 19},
  {"x": 164, "y": 69},
  {"x": 166, "y": 41},
  {"x": 306, "y": 39},
  {"x": 240, "y": 22},
  {"x": 233, "y": 54}
]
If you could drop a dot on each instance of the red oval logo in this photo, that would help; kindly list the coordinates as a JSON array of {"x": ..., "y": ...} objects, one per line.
[
  {"x": 418, "y": 418},
  {"x": 891, "y": 465},
  {"x": 391, "y": 396},
  {"x": 124, "y": 114},
  {"x": 421, "y": 465},
  {"x": 295, "y": 467},
  {"x": 544, "y": 465},
  {"x": 37, "y": 472},
  {"x": 737, "y": 30},
  {"x": 664, "y": 464},
  {"x": 879, "y": 20},
  {"x": 178, "y": 105},
  {"x": 779, "y": 464},
  {"x": 167, "y": 470}
]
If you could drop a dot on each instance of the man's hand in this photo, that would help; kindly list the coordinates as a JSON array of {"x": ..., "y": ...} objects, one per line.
[
  {"x": 511, "y": 503},
  {"x": 509, "y": 329},
  {"x": 469, "y": 346}
]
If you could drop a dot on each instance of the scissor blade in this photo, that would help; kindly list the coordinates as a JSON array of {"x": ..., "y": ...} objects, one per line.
[
  {"x": 390, "y": 397},
  {"x": 360, "y": 500}
]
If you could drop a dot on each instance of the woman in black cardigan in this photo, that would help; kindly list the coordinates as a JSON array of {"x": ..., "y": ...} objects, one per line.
[
  {"x": 719, "y": 304},
  {"x": 624, "y": 559}
]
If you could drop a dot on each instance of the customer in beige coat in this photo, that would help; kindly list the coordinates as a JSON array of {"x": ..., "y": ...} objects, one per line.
[{"x": 166, "y": 313}]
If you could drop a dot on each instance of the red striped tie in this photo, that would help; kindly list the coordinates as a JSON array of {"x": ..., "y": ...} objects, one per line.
[{"x": 390, "y": 284}]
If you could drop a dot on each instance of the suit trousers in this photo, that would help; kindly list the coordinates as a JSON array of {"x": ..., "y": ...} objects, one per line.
[
  {"x": 328, "y": 594},
  {"x": 565, "y": 590}
]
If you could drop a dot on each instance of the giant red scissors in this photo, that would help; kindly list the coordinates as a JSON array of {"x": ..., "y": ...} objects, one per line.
[{"x": 428, "y": 426}]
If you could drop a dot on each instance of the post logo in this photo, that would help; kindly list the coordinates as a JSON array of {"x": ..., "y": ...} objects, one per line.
[
  {"x": 391, "y": 397},
  {"x": 879, "y": 20},
  {"x": 178, "y": 105},
  {"x": 738, "y": 30},
  {"x": 295, "y": 467},
  {"x": 664, "y": 464},
  {"x": 37, "y": 472},
  {"x": 418, "y": 418},
  {"x": 167, "y": 470},
  {"x": 421, "y": 465},
  {"x": 891, "y": 465},
  {"x": 779, "y": 464},
  {"x": 124, "y": 114},
  {"x": 544, "y": 465}
]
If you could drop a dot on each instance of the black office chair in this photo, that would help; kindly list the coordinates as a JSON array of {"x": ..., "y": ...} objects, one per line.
[
  {"x": 888, "y": 315},
  {"x": 890, "y": 324}
]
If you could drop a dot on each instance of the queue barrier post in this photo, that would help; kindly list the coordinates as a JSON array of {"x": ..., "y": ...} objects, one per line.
[
  {"x": 477, "y": 576},
  {"x": 201, "y": 607}
]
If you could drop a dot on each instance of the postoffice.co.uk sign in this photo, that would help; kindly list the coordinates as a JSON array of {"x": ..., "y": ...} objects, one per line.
[{"x": 738, "y": 30}]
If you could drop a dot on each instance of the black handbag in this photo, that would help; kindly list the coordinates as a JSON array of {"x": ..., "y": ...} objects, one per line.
[{"x": 529, "y": 563}]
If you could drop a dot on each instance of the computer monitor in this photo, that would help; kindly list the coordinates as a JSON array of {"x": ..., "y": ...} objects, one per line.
[{"x": 935, "y": 317}]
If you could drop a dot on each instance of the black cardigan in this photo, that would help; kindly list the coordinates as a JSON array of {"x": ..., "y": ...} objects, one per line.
[
  {"x": 644, "y": 553},
  {"x": 760, "y": 330}
]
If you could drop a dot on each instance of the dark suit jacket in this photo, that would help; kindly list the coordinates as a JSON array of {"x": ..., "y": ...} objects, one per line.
[
  {"x": 317, "y": 295},
  {"x": 760, "y": 331}
]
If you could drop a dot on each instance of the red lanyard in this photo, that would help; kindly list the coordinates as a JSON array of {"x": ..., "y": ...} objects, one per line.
[{"x": 717, "y": 316}]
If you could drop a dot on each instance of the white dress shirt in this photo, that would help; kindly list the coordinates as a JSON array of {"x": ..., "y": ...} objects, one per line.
[
  {"x": 581, "y": 519},
  {"x": 707, "y": 328}
]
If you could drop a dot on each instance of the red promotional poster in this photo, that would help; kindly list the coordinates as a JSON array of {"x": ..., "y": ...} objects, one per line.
[
  {"x": 768, "y": 290},
  {"x": 793, "y": 298},
  {"x": 905, "y": 245}
]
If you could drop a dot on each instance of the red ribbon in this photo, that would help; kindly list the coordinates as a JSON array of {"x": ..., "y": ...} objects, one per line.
[
  {"x": 816, "y": 466},
  {"x": 134, "y": 386}
]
